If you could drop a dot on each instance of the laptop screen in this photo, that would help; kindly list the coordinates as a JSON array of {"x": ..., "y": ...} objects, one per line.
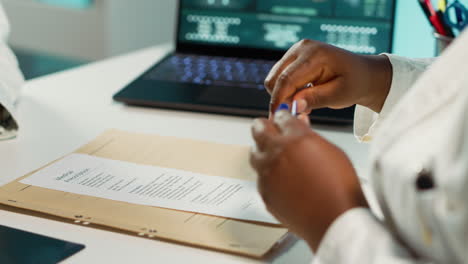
[{"x": 361, "y": 26}]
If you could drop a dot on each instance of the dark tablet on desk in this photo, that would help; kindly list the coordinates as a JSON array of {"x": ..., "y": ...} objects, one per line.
[{"x": 20, "y": 247}]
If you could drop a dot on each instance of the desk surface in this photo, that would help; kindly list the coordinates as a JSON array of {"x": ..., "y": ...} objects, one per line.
[{"x": 60, "y": 112}]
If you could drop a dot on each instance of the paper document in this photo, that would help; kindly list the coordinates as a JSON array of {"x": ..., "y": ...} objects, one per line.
[{"x": 154, "y": 186}]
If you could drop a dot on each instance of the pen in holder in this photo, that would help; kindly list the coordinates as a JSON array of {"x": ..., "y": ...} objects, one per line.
[{"x": 442, "y": 42}]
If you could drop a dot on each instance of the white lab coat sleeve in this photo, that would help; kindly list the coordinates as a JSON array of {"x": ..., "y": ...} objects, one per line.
[
  {"x": 11, "y": 80},
  {"x": 358, "y": 236},
  {"x": 405, "y": 73},
  {"x": 450, "y": 202}
]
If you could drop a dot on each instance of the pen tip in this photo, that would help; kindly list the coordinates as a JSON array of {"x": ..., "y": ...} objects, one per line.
[{"x": 283, "y": 107}]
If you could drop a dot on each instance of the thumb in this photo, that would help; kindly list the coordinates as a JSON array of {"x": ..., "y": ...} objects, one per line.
[
  {"x": 304, "y": 118},
  {"x": 332, "y": 94},
  {"x": 287, "y": 123},
  {"x": 312, "y": 98}
]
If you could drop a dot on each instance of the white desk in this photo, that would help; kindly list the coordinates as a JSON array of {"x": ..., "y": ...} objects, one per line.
[{"x": 61, "y": 112}]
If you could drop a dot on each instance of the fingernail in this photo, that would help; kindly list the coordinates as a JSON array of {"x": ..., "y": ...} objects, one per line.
[
  {"x": 304, "y": 118},
  {"x": 301, "y": 105},
  {"x": 283, "y": 107},
  {"x": 258, "y": 126},
  {"x": 281, "y": 117}
]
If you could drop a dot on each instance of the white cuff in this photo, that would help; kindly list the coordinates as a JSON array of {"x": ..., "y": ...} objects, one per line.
[
  {"x": 357, "y": 236},
  {"x": 405, "y": 73},
  {"x": 338, "y": 234},
  {"x": 11, "y": 81},
  {"x": 8, "y": 123}
]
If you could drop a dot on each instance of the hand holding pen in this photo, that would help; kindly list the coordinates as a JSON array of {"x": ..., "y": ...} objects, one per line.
[
  {"x": 297, "y": 170},
  {"x": 293, "y": 111},
  {"x": 336, "y": 84}
]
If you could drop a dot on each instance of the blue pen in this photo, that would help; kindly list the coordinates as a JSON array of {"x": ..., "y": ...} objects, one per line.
[
  {"x": 294, "y": 103},
  {"x": 286, "y": 108},
  {"x": 294, "y": 108}
]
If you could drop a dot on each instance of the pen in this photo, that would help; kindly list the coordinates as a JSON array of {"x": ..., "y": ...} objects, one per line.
[
  {"x": 285, "y": 107},
  {"x": 432, "y": 16},
  {"x": 442, "y": 5},
  {"x": 446, "y": 27},
  {"x": 437, "y": 22},
  {"x": 293, "y": 109},
  {"x": 425, "y": 9}
]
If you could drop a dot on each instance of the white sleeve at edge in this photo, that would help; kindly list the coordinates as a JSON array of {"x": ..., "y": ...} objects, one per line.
[
  {"x": 11, "y": 81},
  {"x": 405, "y": 73},
  {"x": 358, "y": 237}
]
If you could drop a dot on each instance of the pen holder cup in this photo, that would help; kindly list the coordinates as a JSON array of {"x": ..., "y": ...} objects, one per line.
[{"x": 442, "y": 42}]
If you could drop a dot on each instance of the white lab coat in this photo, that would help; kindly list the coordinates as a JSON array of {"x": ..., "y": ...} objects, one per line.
[
  {"x": 419, "y": 171},
  {"x": 11, "y": 78}
]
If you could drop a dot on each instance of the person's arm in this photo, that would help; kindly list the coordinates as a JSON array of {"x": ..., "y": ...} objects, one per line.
[
  {"x": 342, "y": 79},
  {"x": 405, "y": 72},
  {"x": 305, "y": 181},
  {"x": 309, "y": 185},
  {"x": 11, "y": 81},
  {"x": 359, "y": 237}
]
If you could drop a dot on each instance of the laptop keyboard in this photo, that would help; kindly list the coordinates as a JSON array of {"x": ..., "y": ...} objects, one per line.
[{"x": 212, "y": 70}]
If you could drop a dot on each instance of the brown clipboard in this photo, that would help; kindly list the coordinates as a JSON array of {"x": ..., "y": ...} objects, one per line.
[{"x": 218, "y": 233}]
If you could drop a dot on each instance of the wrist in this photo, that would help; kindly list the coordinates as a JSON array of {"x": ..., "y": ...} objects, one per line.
[
  {"x": 315, "y": 236},
  {"x": 314, "y": 240},
  {"x": 380, "y": 74}
]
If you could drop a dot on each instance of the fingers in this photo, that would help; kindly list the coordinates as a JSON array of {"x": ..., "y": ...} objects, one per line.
[
  {"x": 277, "y": 69},
  {"x": 289, "y": 124},
  {"x": 264, "y": 133},
  {"x": 289, "y": 57},
  {"x": 313, "y": 98},
  {"x": 294, "y": 79},
  {"x": 270, "y": 136},
  {"x": 304, "y": 118},
  {"x": 267, "y": 134},
  {"x": 301, "y": 105},
  {"x": 258, "y": 161},
  {"x": 319, "y": 96}
]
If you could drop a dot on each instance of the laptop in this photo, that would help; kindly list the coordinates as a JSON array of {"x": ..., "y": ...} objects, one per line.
[{"x": 225, "y": 49}]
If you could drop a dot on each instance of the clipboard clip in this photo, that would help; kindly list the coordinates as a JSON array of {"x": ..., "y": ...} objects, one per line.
[
  {"x": 80, "y": 219},
  {"x": 151, "y": 232}
]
